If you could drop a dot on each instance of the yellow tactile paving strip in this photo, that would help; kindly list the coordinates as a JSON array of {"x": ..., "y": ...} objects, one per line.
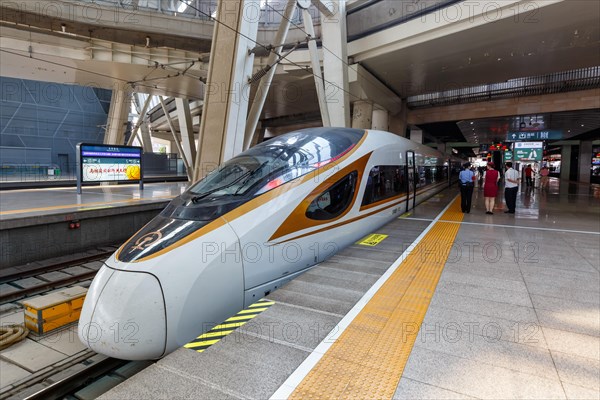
[{"x": 368, "y": 359}]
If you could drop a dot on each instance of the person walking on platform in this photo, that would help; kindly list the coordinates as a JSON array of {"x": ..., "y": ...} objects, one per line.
[
  {"x": 466, "y": 179},
  {"x": 544, "y": 172},
  {"x": 528, "y": 175},
  {"x": 511, "y": 187},
  {"x": 490, "y": 187}
]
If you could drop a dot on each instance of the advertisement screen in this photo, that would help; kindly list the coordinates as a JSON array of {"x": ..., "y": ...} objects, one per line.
[
  {"x": 596, "y": 155},
  {"x": 103, "y": 163}
]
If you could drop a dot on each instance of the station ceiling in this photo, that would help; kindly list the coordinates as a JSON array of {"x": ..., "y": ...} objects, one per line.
[
  {"x": 553, "y": 36},
  {"x": 562, "y": 36}
]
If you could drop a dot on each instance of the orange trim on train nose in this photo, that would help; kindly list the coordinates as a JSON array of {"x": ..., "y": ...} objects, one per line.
[{"x": 298, "y": 220}]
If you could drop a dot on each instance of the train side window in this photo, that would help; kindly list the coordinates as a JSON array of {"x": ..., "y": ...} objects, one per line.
[
  {"x": 383, "y": 182},
  {"x": 335, "y": 200}
]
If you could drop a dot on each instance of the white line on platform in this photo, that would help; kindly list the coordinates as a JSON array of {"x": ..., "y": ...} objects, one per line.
[{"x": 288, "y": 387}]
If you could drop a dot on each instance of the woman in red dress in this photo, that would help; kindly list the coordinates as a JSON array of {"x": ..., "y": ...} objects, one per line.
[{"x": 490, "y": 187}]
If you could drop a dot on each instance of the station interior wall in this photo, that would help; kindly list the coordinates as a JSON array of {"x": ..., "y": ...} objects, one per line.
[{"x": 42, "y": 122}]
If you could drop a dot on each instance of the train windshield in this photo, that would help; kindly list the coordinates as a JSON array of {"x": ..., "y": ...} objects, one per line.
[{"x": 277, "y": 161}]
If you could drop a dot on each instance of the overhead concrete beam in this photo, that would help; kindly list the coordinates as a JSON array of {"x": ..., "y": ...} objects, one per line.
[
  {"x": 579, "y": 100},
  {"x": 329, "y": 8},
  {"x": 365, "y": 86}
]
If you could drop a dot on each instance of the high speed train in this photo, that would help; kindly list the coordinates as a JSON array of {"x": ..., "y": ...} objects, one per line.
[{"x": 253, "y": 224}]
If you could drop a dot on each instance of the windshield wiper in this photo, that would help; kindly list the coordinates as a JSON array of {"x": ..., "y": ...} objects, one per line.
[
  {"x": 254, "y": 171},
  {"x": 203, "y": 195}
]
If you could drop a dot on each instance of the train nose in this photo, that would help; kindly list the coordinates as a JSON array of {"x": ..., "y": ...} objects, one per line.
[{"x": 124, "y": 315}]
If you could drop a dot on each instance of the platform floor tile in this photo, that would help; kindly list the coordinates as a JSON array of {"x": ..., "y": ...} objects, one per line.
[
  {"x": 412, "y": 389},
  {"x": 28, "y": 282},
  {"x": 64, "y": 340},
  {"x": 54, "y": 276},
  {"x": 174, "y": 385},
  {"x": 31, "y": 355},
  {"x": 10, "y": 373}
]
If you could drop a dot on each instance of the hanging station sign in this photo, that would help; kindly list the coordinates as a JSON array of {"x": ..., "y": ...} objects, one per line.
[
  {"x": 529, "y": 151},
  {"x": 534, "y": 135}
]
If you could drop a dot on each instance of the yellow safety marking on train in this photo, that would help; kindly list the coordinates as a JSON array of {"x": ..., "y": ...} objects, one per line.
[
  {"x": 372, "y": 240},
  {"x": 82, "y": 206},
  {"x": 217, "y": 333},
  {"x": 368, "y": 359}
]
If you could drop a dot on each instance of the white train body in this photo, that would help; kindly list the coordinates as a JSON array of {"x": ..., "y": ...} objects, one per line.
[{"x": 248, "y": 228}]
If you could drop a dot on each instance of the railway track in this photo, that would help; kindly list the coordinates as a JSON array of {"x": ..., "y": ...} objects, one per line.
[
  {"x": 19, "y": 282},
  {"x": 83, "y": 373},
  {"x": 87, "y": 375}
]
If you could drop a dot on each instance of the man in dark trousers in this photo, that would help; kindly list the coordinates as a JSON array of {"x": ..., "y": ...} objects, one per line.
[
  {"x": 528, "y": 175},
  {"x": 511, "y": 187},
  {"x": 466, "y": 179}
]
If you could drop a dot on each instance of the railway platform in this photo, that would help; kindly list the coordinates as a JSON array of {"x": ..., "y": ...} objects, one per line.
[
  {"x": 440, "y": 304},
  {"x": 37, "y": 224}
]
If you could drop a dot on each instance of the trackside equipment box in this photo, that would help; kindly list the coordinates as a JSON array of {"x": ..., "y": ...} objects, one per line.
[{"x": 55, "y": 310}]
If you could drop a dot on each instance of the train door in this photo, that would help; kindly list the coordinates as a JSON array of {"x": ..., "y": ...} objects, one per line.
[{"x": 411, "y": 174}]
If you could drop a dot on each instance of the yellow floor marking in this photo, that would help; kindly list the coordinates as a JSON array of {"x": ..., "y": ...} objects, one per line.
[
  {"x": 81, "y": 206},
  {"x": 262, "y": 304},
  {"x": 214, "y": 334},
  {"x": 203, "y": 343},
  {"x": 252, "y": 310},
  {"x": 220, "y": 331},
  {"x": 368, "y": 359},
  {"x": 372, "y": 240},
  {"x": 226, "y": 326},
  {"x": 240, "y": 318}
]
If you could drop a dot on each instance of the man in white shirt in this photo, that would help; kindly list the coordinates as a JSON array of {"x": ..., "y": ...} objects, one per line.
[{"x": 511, "y": 187}]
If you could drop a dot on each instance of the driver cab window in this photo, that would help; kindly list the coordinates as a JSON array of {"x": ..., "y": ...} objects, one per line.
[{"x": 335, "y": 200}]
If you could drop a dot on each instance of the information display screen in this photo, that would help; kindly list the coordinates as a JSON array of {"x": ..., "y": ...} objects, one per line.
[{"x": 104, "y": 163}]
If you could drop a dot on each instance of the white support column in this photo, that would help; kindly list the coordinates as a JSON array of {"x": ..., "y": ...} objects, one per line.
[
  {"x": 362, "y": 115},
  {"x": 265, "y": 82},
  {"x": 335, "y": 63},
  {"x": 140, "y": 121},
  {"x": 585, "y": 160},
  {"x": 188, "y": 165},
  {"x": 118, "y": 114},
  {"x": 146, "y": 138},
  {"x": 381, "y": 119},
  {"x": 226, "y": 99},
  {"x": 259, "y": 135},
  {"x": 565, "y": 163},
  {"x": 397, "y": 123},
  {"x": 316, "y": 66},
  {"x": 416, "y": 135},
  {"x": 186, "y": 129}
]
